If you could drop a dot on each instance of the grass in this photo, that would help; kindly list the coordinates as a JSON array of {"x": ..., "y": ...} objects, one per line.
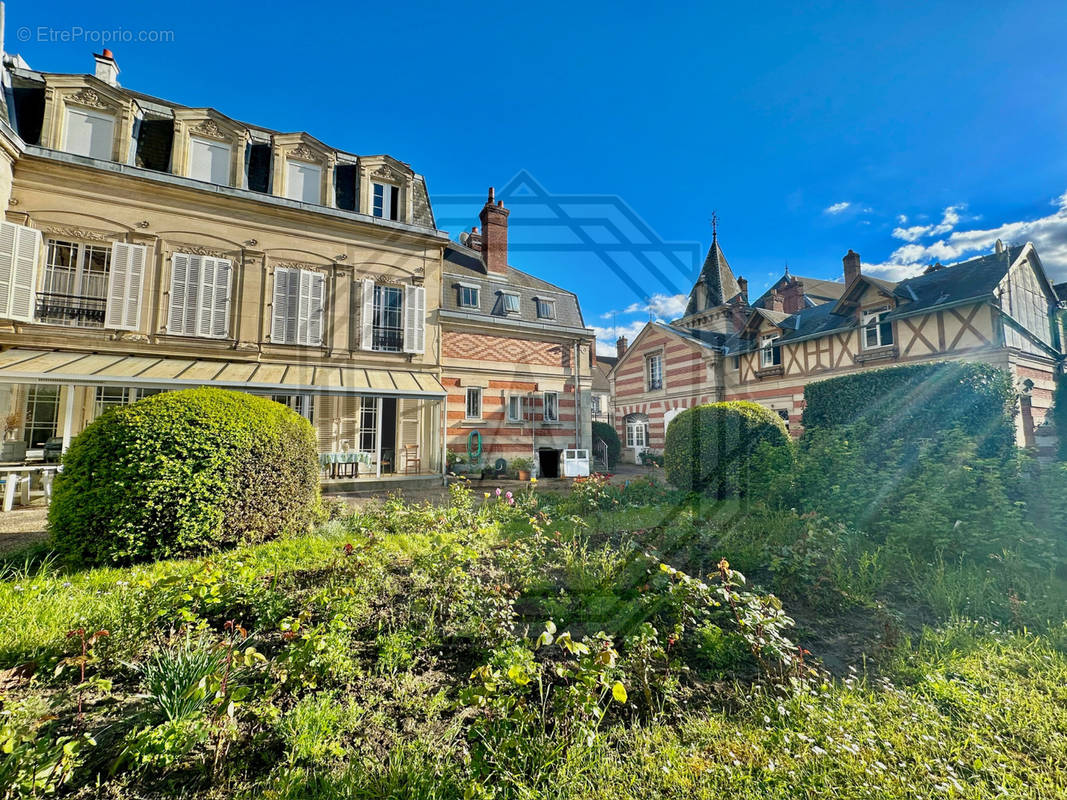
[{"x": 394, "y": 653}]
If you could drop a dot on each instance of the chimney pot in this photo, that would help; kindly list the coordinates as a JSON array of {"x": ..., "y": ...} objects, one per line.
[
  {"x": 742, "y": 284},
  {"x": 852, "y": 266},
  {"x": 108, "y": 54},
  {"x": 776, "y": 301},
  {"x": 620, "y": 346}
]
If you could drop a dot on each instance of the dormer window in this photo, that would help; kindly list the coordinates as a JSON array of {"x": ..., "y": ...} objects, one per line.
[
  {"x": 511, "y": 302},
  {"x": 386, "y": 201},
  {"x": 546, "y": 309},
  {"x": 210, "y": 161},
  {"x": 303, "y": 182},
  {"x": 770, "y": 354},
  {"x": 468, "y": 296},
  {"x": 876, "y": 331},
  {"x": 89, "y": 133}
]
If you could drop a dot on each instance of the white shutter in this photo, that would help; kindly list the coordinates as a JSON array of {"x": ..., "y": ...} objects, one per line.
[
  {"x": 124, "y": 286},
  {"x": 315, "y": 312},
  {"x": 280, "y": 306},
  {"x": 303, "y": 304},
  {"x": 20, "y": 249},
  {"x": 184, "y": 284},
  {"x": 410, "y": 317},
  {"x": 420, "y": 319},
  {"x": 366, "y": 318},
  {"x": 213, "y": 304}
]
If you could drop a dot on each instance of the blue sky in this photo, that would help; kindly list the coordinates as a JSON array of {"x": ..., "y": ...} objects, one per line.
[{"x": 909, "y": 132}]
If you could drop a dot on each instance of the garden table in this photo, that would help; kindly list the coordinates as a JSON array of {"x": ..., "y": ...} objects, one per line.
[
  {"x": 17, "y": 477},
  {"x": 333, "y": 462}
]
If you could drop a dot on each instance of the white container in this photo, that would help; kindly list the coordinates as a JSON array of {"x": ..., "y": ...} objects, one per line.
[{"x": 575, "y": 463}]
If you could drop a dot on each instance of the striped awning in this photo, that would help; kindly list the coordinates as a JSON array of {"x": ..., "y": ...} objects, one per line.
[{"x": 18, "y": 365}]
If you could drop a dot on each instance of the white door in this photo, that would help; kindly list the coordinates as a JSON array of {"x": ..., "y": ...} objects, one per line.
[{"x": 636, "y": 437}]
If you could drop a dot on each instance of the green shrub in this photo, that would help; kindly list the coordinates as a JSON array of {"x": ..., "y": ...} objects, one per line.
[
  {"x": 711, "y": 447},
  {"x": 1059, "y": 415},
  {"x": 182, "y": 473},
  {"x": 917, "y": 401},
  {"x": 610, "y": 437}
]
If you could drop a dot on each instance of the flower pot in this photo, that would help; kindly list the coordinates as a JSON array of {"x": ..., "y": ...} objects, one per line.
[{"x": 524, "y": 474}]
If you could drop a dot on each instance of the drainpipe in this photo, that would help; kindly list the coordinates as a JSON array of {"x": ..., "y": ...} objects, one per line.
[{"x": 577, "y": 395}]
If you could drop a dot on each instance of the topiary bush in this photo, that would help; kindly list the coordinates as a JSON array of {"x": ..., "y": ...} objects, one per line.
[
  {"x": 917, "y": 401},
  {"x": 603, "y": 431},
  {"x": 182, "y": 473},
  {"x": 712, "y": 448}
]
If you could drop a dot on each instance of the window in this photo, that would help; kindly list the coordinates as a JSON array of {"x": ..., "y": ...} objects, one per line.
[
  {"x": 468, "y": 296},
  {"x": 546, "y": 309},
  {"x": 876, "y": 332},
  {"x": 388, "y": 319},
  {"x": 199, "y": 296},
  {"x": 595, "y": 405},
  {"x": 770, "y": 354},
  {"x": 368, "y": 425},
  {"x": 209, "y": 161},
  {"x": 474, "y": 402},
  {"x": 385, "y": 201},
  {"x": 551, "y": 400},
  {"x": 108, "y": 397},
  {"x": 783, "y": 415},
  {"x": 90, "y": 133},
  {"x": 75, "y": 284},
  {"x": 515, "y": 408},
  {"x": 298, "y": 306},
  {"x": 42, "y": 414},
  {"x": 737, "y": 362},
  {"x": 510, "y": 302},
  {"x": 303, "y": 182},
  {"x": 654, "y": 370}
]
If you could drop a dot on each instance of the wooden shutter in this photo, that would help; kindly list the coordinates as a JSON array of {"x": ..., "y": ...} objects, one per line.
[
  {"x": 408, "y": 414},
  {"x": 414, "y": 319},
  {"x": 420, "y": 319},
  {"x": 325, "y": 422},
  {"x": 124, "y": 286},
  {"x": 213, "y": 306},
  {"x": 280, "y": 305},
  {"x": 20, "y": 249},
  {"x": 316, "y": 309},
  {"x": 366, "y": 318}
]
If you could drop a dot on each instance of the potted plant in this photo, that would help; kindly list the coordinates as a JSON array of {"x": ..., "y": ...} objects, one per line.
[
  {"x": 451, "y": 459},
  {"x": 12, "y": 449},
  {"x": 522, "y": 466}
]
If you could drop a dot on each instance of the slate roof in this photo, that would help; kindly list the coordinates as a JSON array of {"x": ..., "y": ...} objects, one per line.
[
  {"x": 816, "y": 290},
  {"x": 465, "y": 266},
  {"x": 1061, "y": 290},
  {"x": 716, "y": 283},
  {"x": 710, "y": 339},
  {"x": 972, "y": 280}
]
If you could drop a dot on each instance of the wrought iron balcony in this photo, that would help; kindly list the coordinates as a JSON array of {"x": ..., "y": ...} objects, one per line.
[
  {"x": 390, "y": 340},
  {"x": 71, "y": 309}
]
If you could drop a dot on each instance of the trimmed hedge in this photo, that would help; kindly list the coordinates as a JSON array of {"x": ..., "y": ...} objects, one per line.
[
  {"x": 918, "y": 401},
  {"x": 721, "y": 448},
  {"x": 183, "y": 473},
  {"x": 601, "y": 430}
]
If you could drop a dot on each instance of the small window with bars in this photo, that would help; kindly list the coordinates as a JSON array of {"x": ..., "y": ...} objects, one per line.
[{"x": 474, "y": 402}]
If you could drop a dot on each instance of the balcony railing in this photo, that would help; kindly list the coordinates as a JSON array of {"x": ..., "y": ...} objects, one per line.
[
  {"x": 390, "y": 340},
  {"x": 71, "y": 309}
]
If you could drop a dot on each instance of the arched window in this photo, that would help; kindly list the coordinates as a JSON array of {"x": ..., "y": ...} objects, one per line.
[{"x": 637, "y": 431}]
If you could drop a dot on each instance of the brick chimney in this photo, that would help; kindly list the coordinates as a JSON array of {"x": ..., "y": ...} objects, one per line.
[
  {"x": 494, "y": 219},
  {"x": 738, "y": 312},
  {"x": 620, "y": 346},
  {"x": 743, "y": 286},
  {"x": 793, "y": 296},
  {"x": 474, "y": 239},
  {"x": 106, "y": 68},
  {"x": 775, "y": 301},
  {"x": 852, "y": 266}
]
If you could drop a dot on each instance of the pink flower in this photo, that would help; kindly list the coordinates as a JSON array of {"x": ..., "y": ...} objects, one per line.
[
  {"x": 498, "y": 491},
  {"x": 511, "y": 501},
  {"x": 508, "y": 495}
]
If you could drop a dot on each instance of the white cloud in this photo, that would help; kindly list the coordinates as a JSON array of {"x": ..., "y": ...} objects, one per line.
[
  {"x": 949, "y": 219},
  {"x": 606, "y": 336},
  {"x": 662, "y": 306},
  {"x": 902, "y": 219},
  {"x": 836, "y": 208},
  {"x": 1048, "y": 233}
]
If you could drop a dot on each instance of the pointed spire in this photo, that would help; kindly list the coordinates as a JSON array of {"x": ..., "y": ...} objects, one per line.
[{"x": 714, "y": 226}]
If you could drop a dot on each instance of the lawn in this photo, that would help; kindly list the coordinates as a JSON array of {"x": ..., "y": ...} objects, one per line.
[{"x": 611, "y": 643}]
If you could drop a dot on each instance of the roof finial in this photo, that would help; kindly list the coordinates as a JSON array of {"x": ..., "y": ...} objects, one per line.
[
  {"x": 714, "y": 225},
  {"x": 787, "y": 269}
]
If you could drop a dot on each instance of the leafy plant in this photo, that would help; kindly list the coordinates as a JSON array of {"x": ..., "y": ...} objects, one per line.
[{"x": 607, "y": 434}]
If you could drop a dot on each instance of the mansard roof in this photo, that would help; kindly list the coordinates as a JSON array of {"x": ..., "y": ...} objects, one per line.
[{"x": 716, "y": 283}]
